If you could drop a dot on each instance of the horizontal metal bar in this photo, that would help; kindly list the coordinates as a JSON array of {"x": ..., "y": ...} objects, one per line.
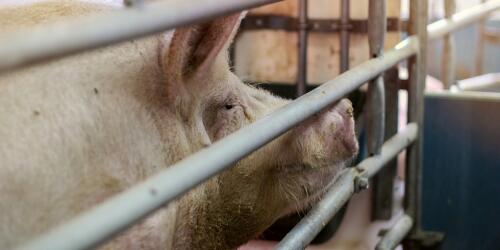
[
  {"x": 373, "y": 164},
  {"x": 461, "y": 19},
  {"x": 395, "y": 235},
  {"x": 65, "y": 38},
  {"x": 124, "y": 209},
  {"x": 320, "y": 25},
  {"x": 342, "y": 189}
]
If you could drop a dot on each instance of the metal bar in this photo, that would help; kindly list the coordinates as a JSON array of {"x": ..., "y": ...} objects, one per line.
[
  {"x": 383, "y": 182},
  {"x": 461, "y": 19},
  {"x": 303, "y": 36},
  {"x": 319, "y": 25},
  {"x": 375, "y": 104},
  {"x": 51, "y": 41},
  {"x": 448, "y": 59},
  {"x": 377, "y": 23},
  {"x": 417, "y": 76},
  {"x": 403, "y": 139},
  {"x": 304, "y": 232},
  {"x": 393, "y": 237},
  {"x": 480, "y": 46},
  {"x": 65, "y": 38},
  {"x": 375, "y": 110},
  {"x": 122, "y": 210},
  {"x": 344, "y": 35},
  {"x": 342, "y": 189}
]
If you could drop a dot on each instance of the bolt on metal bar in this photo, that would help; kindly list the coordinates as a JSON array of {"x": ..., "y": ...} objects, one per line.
[
  {"x": 133, "y": 3},
  {"x": 448, "y": 59},
  {"x": 342, "y": 189},
  {"x": 303, "y": 37},
  {"x": 461, "y": 19},
  {"x": 393, "y": 237},
  {"x": 69, "y": 37},
  {"x": 417, "y": 75},
  {"x": 375, "y": 111},
  {"x": 122, "y": 210},
  {"x": 344, "y": 35}
]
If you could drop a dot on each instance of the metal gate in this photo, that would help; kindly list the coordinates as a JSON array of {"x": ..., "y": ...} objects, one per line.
[{"x": 123, "y": 210}]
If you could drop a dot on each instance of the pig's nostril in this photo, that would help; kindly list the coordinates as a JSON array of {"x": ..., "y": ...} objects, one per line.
[{"x": 350, "y": 112}]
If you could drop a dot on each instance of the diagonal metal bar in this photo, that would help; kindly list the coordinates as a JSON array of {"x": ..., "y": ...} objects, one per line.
[
  {"x": 461, "y": 19},
  {"x": 395, "y": 235},
  {"x": 65, "y": 38}
]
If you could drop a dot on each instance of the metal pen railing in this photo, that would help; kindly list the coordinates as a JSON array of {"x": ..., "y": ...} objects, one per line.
[
  {"x": 65, "y": 38},
  {"x": 124, "y": 209},
  {"x": 316, "y": 219}
]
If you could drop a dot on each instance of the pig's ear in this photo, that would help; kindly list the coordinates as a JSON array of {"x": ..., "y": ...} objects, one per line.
[{"x": 194, "y": 50}]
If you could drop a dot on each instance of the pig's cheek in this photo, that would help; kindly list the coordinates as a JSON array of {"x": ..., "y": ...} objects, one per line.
[
  {"x": 229, "y": 122},
  {"x": 220, "y": 129},
  {"x": 310, "y": 148}
]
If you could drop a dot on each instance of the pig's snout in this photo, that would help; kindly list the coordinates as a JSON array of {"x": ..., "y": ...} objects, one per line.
[
  {"x": 345, "y": 130},
  {"x": 344, "y": 107}
]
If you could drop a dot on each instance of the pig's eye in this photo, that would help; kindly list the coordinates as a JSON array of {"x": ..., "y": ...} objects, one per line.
[{"x": 229, "y": 106}]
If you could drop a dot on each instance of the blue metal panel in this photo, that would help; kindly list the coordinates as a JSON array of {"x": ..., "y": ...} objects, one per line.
[{"x": 461, "y": 172}]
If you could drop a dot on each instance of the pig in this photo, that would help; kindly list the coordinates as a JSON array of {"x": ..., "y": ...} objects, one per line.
[{"x": 78, "y": 130}]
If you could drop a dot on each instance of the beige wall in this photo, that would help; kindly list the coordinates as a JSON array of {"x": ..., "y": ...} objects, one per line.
[{"x": 271, "y": 56}]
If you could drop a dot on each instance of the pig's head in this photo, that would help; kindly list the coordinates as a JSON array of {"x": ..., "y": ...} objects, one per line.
[{"x": 279, "y": 178}]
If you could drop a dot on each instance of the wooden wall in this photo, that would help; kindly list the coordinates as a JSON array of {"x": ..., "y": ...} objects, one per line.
[{"x": 271, "y": 56}]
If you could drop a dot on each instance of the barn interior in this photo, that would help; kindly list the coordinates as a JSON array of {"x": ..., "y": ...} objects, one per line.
[{"x": 437, "y": 190}]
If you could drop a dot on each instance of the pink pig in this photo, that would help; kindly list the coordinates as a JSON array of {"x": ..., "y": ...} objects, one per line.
[{"x": 78, "y": 130}]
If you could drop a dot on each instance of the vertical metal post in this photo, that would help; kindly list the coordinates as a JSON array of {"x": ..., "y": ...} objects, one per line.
[
  {"x": 448, "y": 60},
  {"x": 375, "y": 112},
  {"x": 417, "y": 75},
  {"x": 303, "y": 35},
  {"x": 383, "y": 182},
  {"x": 344, "y": 35},
  {"x": 480, "y": 45}
]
